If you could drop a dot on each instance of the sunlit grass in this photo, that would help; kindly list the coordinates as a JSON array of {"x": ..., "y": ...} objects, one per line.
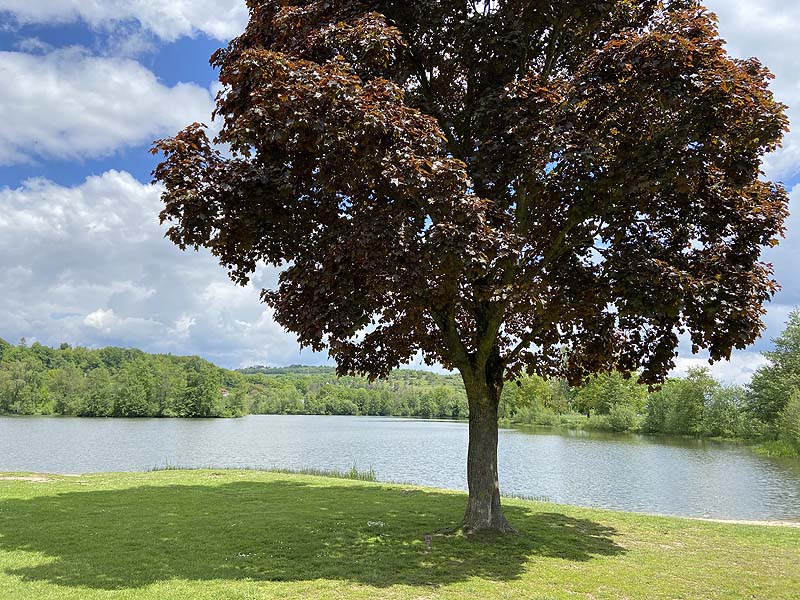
[
  {"x": 778, "y": 449},
  {"x": 258, "y": 535},
  {"x": 353, "y": 473}
]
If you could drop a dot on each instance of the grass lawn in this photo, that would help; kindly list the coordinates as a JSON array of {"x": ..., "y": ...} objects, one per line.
[{"x": 248, "y": 535}]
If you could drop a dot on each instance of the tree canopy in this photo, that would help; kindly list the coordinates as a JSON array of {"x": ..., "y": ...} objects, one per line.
[
  {"x": 502, "y": 186},
  {"x": 114, "y": 382}
]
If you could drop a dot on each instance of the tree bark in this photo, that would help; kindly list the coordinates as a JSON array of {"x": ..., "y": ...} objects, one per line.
[{"x": 484, "y": 512}]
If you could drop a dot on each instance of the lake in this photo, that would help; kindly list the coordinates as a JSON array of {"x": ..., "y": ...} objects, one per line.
[{"x": 627, "y": 472}]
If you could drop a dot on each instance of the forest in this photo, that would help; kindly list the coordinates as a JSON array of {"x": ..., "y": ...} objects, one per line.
[
  {"x": 112, "y": 382},
  {"x": 117, "y": 382}
]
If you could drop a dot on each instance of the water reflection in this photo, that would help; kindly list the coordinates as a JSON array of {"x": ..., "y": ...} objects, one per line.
[{"x": 679, "y": 476}]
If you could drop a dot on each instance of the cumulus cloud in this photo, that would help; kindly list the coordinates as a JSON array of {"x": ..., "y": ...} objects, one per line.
[
  {"x": 739, "y": 370},
  {"x": 68, "y": 104},
  {"x": 768, "y": 29},
  {"x": 220, "y": 19},
  {"x": 89, "y": 265}
]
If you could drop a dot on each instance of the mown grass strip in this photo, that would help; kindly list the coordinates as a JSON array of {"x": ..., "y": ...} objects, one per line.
[{"x": 258, "y": 535}]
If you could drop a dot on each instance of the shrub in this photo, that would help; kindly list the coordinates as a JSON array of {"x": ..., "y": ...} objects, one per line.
[
  {"x": 789, "y": 422},
  {"x": 548, "y": 417},
  {"x": 598, "y": 422},
  {"x": 622, "y": 417},
  {"x": 724, "y": 415},
  {"x": 778, "y": 449}
]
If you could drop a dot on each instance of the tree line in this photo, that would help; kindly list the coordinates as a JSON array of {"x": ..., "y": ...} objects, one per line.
[
  {"x": 318, "y": 391},
  {"x": 766, "y": 409},
  {"x": 117, "y": 382},
  {"x": 112, "y": 382},
  {"x": 696, "y": 405}
]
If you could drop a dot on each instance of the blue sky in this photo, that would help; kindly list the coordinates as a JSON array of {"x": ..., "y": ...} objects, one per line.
[{"x": 88, "y": 85}]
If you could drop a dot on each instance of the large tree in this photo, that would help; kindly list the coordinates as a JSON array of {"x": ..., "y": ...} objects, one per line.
[
  {"x": 774, "y": 384},
  {"x": 500, "y": 186}
]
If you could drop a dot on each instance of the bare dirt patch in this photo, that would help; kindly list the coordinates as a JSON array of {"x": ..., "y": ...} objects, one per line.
[
  {"x": 31, "y": 478},
  {"x": 746, "y": 522}
]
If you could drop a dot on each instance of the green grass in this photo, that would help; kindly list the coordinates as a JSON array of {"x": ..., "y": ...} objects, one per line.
[
  {"x": 778, "y": 449},
  {"x": 249, "y": 535},
  {"x": 353, "y": 473}
]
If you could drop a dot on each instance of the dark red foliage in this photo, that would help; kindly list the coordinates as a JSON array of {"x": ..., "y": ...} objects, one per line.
[{"x": 502, "y": 186}]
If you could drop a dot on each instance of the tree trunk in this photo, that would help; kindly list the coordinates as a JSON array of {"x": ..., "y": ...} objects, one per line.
[{"x": 483, "y": 509}]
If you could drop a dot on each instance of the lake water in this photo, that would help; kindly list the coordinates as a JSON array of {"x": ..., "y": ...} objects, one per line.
[{"x": 625, "y": 472}]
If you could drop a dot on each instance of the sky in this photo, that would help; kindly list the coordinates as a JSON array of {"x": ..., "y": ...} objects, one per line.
[{"x": 85, "y": 87}]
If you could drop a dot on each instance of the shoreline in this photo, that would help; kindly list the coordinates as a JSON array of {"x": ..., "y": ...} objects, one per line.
[
  {"x": 53, "y": 477},
  {"x": 770, "y": 523}
]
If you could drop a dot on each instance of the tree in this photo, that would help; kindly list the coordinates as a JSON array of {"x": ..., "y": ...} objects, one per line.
[
  {"x": 602, "y": 392},
  {"x": 202, "y": 395},
  {"x": 724, "y": 414},
  {"x": 100, "y": 393},
  {"x": 131, "y": 394},
  {"x": 527, "y": 399},
  {"x": 789, "y": 421},
  {"x": 67, "y": 387},
  {"x": 499, "y": 186},
  {"x": 169, "y": 388},
  {"x": 680, "y": 405},
  {"x": 773, "y": 385},
  {"x": 21, "y": 387}
]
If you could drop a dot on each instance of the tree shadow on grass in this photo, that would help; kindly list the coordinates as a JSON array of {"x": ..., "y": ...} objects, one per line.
[{"x": 276, "y": 531}]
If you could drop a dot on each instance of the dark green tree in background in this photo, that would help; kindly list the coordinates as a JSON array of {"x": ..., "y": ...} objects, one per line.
[
  {"x": 100, "y": 393},
  {"x": 202, "y": 392}
]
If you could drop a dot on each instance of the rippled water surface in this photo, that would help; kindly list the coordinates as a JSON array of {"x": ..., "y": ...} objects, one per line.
[{"x": 626, "y": 472}]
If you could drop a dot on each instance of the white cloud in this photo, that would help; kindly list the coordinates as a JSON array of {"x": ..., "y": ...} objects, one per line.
[
  {"x": 169, "y": 20},
  {"x": 34, "y": 45},
  {"x": 768, "y": 30},
  {"x": 70, "y": 105},
  {"x": 90, "y": 265},
  {"x": 103, "y": 320},
  {"x": 739, "y": 370},
  {"x": 183, "y": 325}
]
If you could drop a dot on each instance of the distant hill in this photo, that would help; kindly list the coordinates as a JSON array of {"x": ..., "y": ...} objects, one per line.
[
  {"x": 126, "y": 382},
  {"x": 404, "y": 375},
  {"x": 318, "y": 390},
  {"x": 115, "y": 382}
]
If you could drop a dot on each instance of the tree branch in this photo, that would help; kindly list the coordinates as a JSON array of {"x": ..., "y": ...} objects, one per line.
[
  {"x": 525, "y": 341},
  {"x": 446, "y": 322},
  {"x": 419, "y": 68}
]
